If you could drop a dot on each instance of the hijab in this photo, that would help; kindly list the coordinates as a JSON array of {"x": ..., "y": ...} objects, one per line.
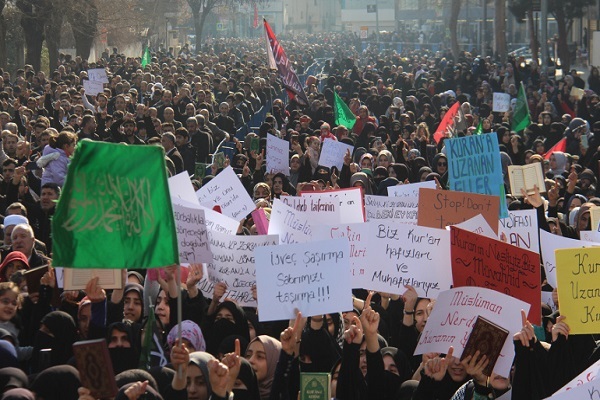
[
  {"x": 222, "y": 328},
  {"x": 190, "y": 331},
  {"x": 364, "y": 179},
  {"x": 561, "y": 163},
  {"x": 57, "y": 383},
  {"x": 64, "y": 333},
  {"x": 248, "y": 378},
  {"x": 272, "y": 350},
  {"x": 11, "y": 378},
  {"x": 18, "y": 394},
  {"x": 200, "y": 359},
  {"x": 401, "y": 171}
]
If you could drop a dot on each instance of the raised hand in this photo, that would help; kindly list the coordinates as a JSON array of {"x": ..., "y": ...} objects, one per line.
[
  {"x": 436, "y": 368},
  {"x": 474, "y": 365},
  {"x": 218, "y": 374},
  {"x": 292, "y": 336},
  {"x": 195, "y": 275},
  {"x": 560, "y": 328},
  {"x": 526, "y": 333},
  {"x": 354, "y": 334},
  {"x": 136, "y": 390},
  {"x": 534, "y": 199},
  {"x": 180, "y": 356},
  {"x": 234, "y": 363},
  {"x": 94, "y": 291}
]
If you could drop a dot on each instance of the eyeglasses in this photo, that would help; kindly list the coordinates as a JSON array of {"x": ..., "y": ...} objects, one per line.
[
  {"x": 5, "y": 302},
  {"x": 442, "y": 164}
]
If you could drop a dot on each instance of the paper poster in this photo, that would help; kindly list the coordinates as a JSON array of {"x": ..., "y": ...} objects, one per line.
[
  {"x": 578, "y": 278},
  {"x": 278, "y": 155},
  {"x": 333, "y": 152},
  {"x": 589, "y": 390},
  {"x": 440, "y": 208},
  {"x": 291, "y": 225},
  {"x": 474, "y": 166},
  {"x": 97, "y": 75},
  {"x": 192, "y": 237},
  {"x": 400, "y": 206},
  {"x": 456, "y": 311},
  {"x": 501, "y": 102},
  {"x": 318, "y": 213},
  {"x": 477, "y": 225},
  {"x": 233, "y": 263},
  {"x": 408, "y": 255},
  {"x": 590, "y": 236},
  {"x": 359, "y": 238},
  {"x": 589, "y": 375},
  {"x": 180, "y": 187},
  {"x": 520, "y": 229},
  {"x": 92, "y": 88},
  {"x": 227, "y": 191},
  {"x": 349, "y": 201},
  {"x": 547, "y": 299},
  {"x": 549, "y": 243},
  {"x": 410, "y": 190},
  {"x": 313, "y": 278},
  {"x": 595, "y": 218},
  {"x": 489, "y": 263}
]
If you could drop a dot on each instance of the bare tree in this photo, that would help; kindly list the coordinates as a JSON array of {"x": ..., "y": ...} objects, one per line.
[
  {"x": 34, "y": 13},
  {"x": 453, "y": 26},
  {"x": 83, "y": 18},
  {"x": 500, "y": 29}
]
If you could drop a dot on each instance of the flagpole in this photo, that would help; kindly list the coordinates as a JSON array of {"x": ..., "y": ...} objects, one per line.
[{"x": 179, "y": 316}]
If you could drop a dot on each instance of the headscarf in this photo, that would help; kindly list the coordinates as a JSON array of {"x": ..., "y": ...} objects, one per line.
[
  {"x": 321, "y": 348},
  {"x": 11, "y": 377},
  {"x": 561, "y": 163},
  {"x": 18, "y": 394},
  {"x": 248, "y": 378},
  {"x": 222, "y": 328},
  {"x": 8, "y": 355},
  {"x": 272, "y": 350},
  {"x": 190, "y": 331},
  {"x": 12, "y": 256},
  {"x": 57, "y": 383},
  {"x": 200, "y": 359},
  {"x": 423, "y": 170},
  {"x": 401, "y": 171},
  {"x": 364, "y": 179},
  {"x": 62, "y": 326},
  {"x": 505, "y": 160},
  {"x": 382, "y": 189}
]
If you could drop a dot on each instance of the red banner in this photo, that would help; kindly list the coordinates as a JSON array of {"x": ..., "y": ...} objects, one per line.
[
  {"x": 447, "y": 122},
  {"x": 483, "y": 262},
  {"x": 286, "y": 73}
]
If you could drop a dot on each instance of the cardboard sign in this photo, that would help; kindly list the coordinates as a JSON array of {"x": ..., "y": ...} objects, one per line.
[
  {"x": 278, "y": 155},
  {"x": 588, "y": 390},
  {"x": 474, "y": 166},
  {"x": 408, "y": 255},
  {"x": 549, "y": 244},
  {"x": 578, "y": 276},
  {"x": 488, "y": 263},
  {"x": 313, "y": 278},
  {"x": 359, "y": 238},
  {"x": 440, "y": 208},
  {"x": 233, "y": 263},
  {"x": 329, "y": 207},
  {"x": 180, "y": 187},
  {"x": 92, "y": 88},
  {"x": 227, "y": 191},
  {"x": 97, "y": 75},
  {"x": 292, "y": 226},
  {"x": 454, "y": 314},
  {"x": 520, "y": 229},
  {"x": 333, "y": 152},
  {"x": 410, "y": 191},
  {"x": 192, "y": 237},
  {"x": 318, "y": 213},
  {"x": 501, "y": 102}
]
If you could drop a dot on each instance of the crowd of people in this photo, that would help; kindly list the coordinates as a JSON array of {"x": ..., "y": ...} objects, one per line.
[{"x": 195, "y": 104}]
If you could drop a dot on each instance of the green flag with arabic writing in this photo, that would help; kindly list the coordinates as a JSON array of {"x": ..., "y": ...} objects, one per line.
[
  {"x": 146, "y": 57},
  {"x": 343, "y": 114},
  {"x": 115, "y": 210}
]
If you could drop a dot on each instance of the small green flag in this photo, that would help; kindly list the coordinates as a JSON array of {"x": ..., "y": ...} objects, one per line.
[
  {"x": 146, "y": 57},
  {"x": 147, "y": 341},
  {"x": 343, "y": 115},
  {"x": 479, "y": 129},
  {"x": 521, "y": 119},
  {"x": 115, "y": 210}
]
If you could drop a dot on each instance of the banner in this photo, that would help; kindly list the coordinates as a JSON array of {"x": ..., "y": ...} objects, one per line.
[
  {"x": 313, "y": 278},
  {"x": 284, "y": 67},
  {"x": 115, "y": 210},
  {"x": 578, "y": 277},
  {"x": 488, "y": 263},
  {"x": 456, "y": 311},
  {"x": 289, "y": 224}
]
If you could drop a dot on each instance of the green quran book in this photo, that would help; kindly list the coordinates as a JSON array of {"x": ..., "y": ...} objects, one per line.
[{"x": 315, "y": 386}]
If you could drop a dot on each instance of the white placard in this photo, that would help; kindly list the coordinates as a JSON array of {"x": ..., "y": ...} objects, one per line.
[
  {"x": 333, "y": 152},
  {"x": 220, "y": 223},
  {"x": 192, "y": 237},
  {"x": 549, "y": 243},
  {"x": 318, "y": 213},
  {"x": 313, "y": 278},
  {"x": 408, "y": 255},
  {"x": 97, "y": 75},
  {"x": 92, "y": 88},
  {"x": 233, "y": 263},
  {"x": 590, "y": 236},
  {"x": 278, "y": 155},
  {"x": 291, "y": 225},
  {"x": 588, "y": 390},
  {"x": 589, "y": 375},
  {"x": 227, "y": 191},
  {"x": 501, "y": 102},
  {"x": 454, "y": 314},
  {"x": 479, "y": 225},
  {"x": 180, "y": 187},
  {"x": 520, "y": 229},
  {"x": 410, "y": 191},
  {"x": 348, "y": 201},
  {"x": 358, "y": 237}
]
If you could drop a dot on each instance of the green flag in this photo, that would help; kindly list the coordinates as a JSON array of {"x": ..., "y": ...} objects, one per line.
[
  {"x": 343, "y": 115},
  {"x": 479, "y": 129},
  {"x": 521, "y": 119},
  {"x": 147, "y": 342},
  {"x": 115, "y": 210},
  {"x": 146, "y": 57}
]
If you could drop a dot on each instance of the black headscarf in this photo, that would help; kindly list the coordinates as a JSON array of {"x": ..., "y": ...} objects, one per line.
[
  {"x": 57, "y": 383},
  {"x": 222, "y": 328},
  {"x": 64, "y": 333},
  {"x": 18, "y": 394},
  {"x": 123, "y": 358},
  {"x": 12, "y": 378},
  {"x": 248, "y": 378},
  {"x": 320, "y": 347}
]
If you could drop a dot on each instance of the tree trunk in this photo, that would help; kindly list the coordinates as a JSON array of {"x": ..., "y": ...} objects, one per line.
[
  {"x": 453, "y": 26},
  {"x": 34, "y": 36},
  {"x": 500, "y": 29},
  {"x": 533, "y": 39},
  {"x": 84, "y": 23},
  {"x": 563, "y": 46},
  {"x": 3, "y": 54},
  {"x": 53, "y": 28}
]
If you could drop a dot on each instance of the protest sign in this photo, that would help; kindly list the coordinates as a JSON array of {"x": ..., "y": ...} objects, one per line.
[
  {"x": 313, "y": 278},
  {"x": 489, "y": 263},
  {"x": 590, "y": 236},
  {"x": 400, "y": 206},
  {"x": 456, "y": 311},
  {"x": 192, "y": 238},
  {"x": 477, "y": 225},
  {"x": 180, "y": 187},
  {"x": 291, "y": 225},
  {"x": 474, "y": 166},
  {"x": 520, "y": 229},
  {"x": 349, "y": 201},
  {"x": 440, "y": 208},
  {"x": 227, "y": 191},
  {"x": 278, "y": 155},
  {"x": 358, "y": 237},
  {"x": 501, "y": 102},
  {"x": 97, "y": 75},
  {"x": 588, "y": 390},
  {"x": 410, "y": 190},
  {"x": 549, "y": 244},
  {"x": 547, "y": 299},
  {"x": 595, "y": 218},
  {"x": 589, "y": 375},
  {"x": 408, "y": 255},
  {"x": 233, "y": 263},
  {"x": 578, "y": 279},
  {"x": 318, "y": 213},
  {"x": 92, "y": 88},
  {"x": 260, "y": 221},
  {"x": 333, "y": 152}
]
